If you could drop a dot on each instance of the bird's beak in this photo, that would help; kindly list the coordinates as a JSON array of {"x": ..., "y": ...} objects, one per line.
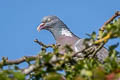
[{"x": 41, "y": 26}]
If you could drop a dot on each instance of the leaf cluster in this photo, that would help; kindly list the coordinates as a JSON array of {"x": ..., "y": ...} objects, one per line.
[{"x": 55, "y": 66}]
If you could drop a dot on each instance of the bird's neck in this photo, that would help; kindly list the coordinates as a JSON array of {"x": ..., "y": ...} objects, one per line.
[{"x": 63, "y": 33}]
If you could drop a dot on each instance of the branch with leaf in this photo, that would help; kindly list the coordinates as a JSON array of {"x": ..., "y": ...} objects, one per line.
[{"x": 55, "y": 66}]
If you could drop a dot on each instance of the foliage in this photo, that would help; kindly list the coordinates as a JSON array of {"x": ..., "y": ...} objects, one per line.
[
  {"x": 55, "y": 66},
  {"x": 11, "y": 75}
]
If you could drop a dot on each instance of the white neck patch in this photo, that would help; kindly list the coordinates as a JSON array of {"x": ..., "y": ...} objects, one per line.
[{"x": 65, "y": 32}]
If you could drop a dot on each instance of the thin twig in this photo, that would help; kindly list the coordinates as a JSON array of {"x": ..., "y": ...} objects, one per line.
[
  {"x": 110, "y": 20},
  {"x": 43, "y": 45},
  {"x": 99, "y": 47},
  {"x": 104, "y": 39}
]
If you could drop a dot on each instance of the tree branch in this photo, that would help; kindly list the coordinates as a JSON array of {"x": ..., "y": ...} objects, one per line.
[
  {"x": 5, "y": 62},
  {"x": 110, "y": 20},
  {"x": 102, "y": 41},
  {"x": 43, "y": 45},
  {"x": 105, "y": 39},
  {"x": 30, "y": 69}
]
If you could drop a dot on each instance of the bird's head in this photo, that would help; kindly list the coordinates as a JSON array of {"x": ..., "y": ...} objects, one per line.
[{"x": 49, "y": 22}]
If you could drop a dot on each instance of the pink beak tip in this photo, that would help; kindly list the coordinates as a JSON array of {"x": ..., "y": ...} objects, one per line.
[{"x": 40, "y": 27}]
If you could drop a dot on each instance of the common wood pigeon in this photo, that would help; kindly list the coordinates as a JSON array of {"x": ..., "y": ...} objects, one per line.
[{"x": 64, "y": 36}]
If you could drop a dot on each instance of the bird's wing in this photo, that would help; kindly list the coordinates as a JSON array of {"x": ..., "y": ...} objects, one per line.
[
  {"x": 80, "y": 46},
  {"x": 102, "y": 54}
]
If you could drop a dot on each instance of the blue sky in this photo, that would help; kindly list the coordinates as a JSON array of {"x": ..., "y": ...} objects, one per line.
[{"x": 20, "y": 18}]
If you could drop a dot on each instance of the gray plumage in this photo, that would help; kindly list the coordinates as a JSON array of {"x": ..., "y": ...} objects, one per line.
[{"x": 64, "y": 36}]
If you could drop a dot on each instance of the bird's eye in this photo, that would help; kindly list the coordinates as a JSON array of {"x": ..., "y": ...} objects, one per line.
[{"x": 49, "y": 20}]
